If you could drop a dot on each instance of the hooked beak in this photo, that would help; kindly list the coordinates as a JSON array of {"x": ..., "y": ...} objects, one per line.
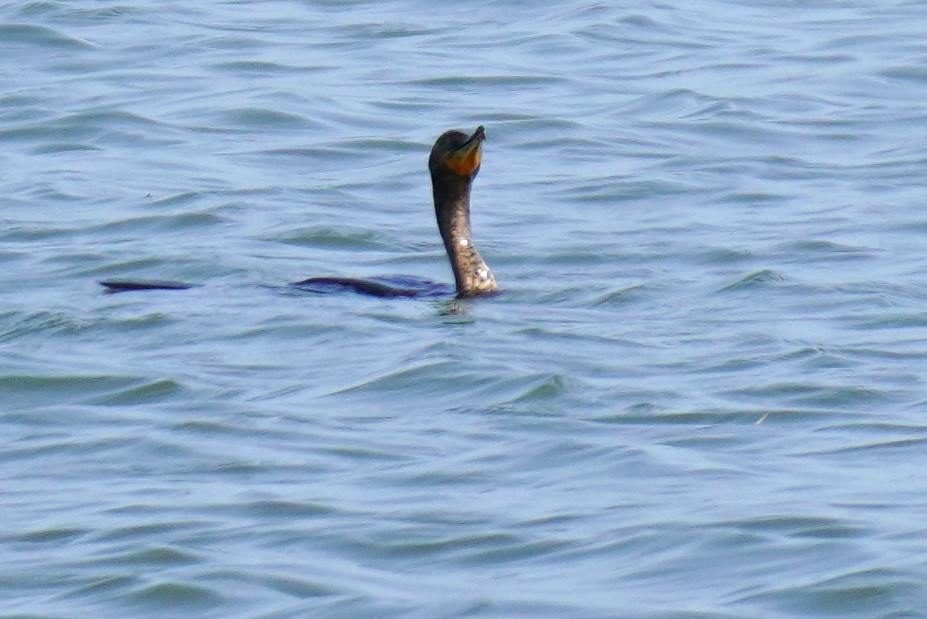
[{"x": 466, "y": 159}]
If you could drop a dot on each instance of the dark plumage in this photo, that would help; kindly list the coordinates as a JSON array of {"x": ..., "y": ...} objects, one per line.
[{"x": 454, "y": 162}]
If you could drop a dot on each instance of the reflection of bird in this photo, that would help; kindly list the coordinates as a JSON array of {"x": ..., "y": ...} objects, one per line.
[{"x": 454, "y": 162}]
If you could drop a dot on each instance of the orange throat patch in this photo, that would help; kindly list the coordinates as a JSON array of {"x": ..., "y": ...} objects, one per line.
[{"x": 465, "y": 160}]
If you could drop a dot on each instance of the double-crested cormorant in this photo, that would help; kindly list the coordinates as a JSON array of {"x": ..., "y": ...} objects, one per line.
[{"x": 454, "y": 162}]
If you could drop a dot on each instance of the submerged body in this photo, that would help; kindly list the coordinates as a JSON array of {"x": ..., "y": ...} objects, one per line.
[
  {"x": 454, "y": 163},
  {"x": 384, "y": 287},
  {"x": 116, "y": 285}
]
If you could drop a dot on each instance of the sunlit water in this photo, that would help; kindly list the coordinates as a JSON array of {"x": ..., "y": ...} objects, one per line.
[{"x": 702, "y": 393}]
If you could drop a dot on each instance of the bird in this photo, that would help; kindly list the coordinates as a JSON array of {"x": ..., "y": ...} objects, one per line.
[{"x": 454, "y": 162}]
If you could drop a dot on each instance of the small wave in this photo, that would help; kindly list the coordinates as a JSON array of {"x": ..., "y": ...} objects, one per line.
[
  {"x": 907, "y": 74},
  {"x": 153, "y": 391},
  {"x": 83, "y": 130},
  {"x": 251, "y": 67},
  {"x": 262, "y": 118},
  {"x": 40, "y": 36},
  {"x": 468, "y": 82},
  {"x": 161, "y": 555},
  {"x": 622, "y": 296},
  {"x": 175, "y": 596},
  {"x": 53, "y": 535},
  {"x": 812, "y": 248},
  {"x": 336, "y": 238},
  {"x": 815, "y": 396},
  {"x": 542, "y": 388},
  {"x": 427, "y": 376},
  {"x": 756, "y": 279},
  {"x": 32, "y": 390},
  {"x": 873, "y": 592},
  {"x": 162, "y": 223}
]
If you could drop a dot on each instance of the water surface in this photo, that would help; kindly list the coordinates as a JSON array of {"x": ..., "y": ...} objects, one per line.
[{"x": 702, "y": 393}]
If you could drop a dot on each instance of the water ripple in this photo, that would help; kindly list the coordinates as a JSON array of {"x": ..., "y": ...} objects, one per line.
[
  {"x": 700, "y": 395},
  {"x": 39, "y": 36}
]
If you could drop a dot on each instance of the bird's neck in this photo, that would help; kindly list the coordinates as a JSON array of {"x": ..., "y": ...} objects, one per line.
[{"x": 471, "y": 273}]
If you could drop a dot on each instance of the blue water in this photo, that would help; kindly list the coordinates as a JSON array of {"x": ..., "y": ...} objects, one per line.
[{"x": 701, "y": 395}]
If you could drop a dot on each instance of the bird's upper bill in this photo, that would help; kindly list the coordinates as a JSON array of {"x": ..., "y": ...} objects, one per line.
[{"x": 466, "y": 159}]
